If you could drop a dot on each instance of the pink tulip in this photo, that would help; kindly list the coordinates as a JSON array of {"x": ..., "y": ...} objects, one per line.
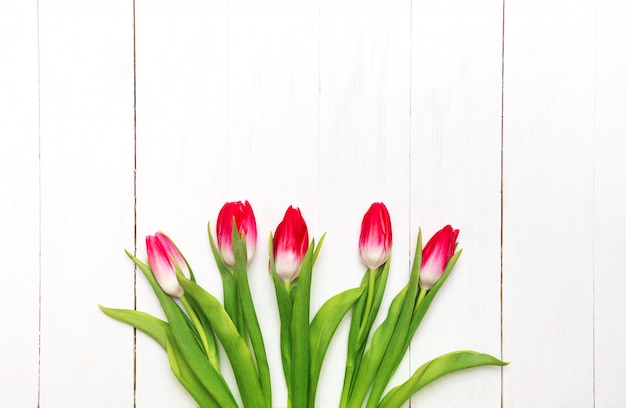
[
  {"x": 436, "y": 255},
  {"x": 375, "y": 240},
  {"x": 162, "y": 253},
  {"x": 291, "y": 241},
  {"x": 244, "y": 219}
]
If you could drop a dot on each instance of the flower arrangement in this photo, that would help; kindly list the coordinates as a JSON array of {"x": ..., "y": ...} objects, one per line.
[{"x": 197, "y": 322}]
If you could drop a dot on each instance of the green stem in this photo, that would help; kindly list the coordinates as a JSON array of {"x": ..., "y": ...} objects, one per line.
[
  {"x": 420, "y": 297},
  {"x": 256, "y": 337},
  {"x": 360, "y": 316},
  {"x": 300, "y": 350},
  {"x": 347, "y": 384},
  {"x": 196, "y": 323},
  {"x": 241, "y": 323},
  {"x": 368, "y": 304}
]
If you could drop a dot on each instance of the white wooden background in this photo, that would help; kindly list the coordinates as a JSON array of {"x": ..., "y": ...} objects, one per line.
[{"x": 506, "y": 119}]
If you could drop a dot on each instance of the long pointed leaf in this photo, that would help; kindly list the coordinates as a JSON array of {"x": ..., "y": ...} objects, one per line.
[
  {"x": 372, "y": 357},
  {"x": 379, "y": 291},
  {"x": 386, "y": 366},
  {"x": 187, "y": 377},
  {"x": 159, "y": 331},
  {"x": 283, "y": 300},
  {"x": 186, "y": 338},
  {"x": 354, "y": 353},
  {"x": 397, "y": 351},
  {"x": 228, "y": 280},
  {"x": 434, "y": 369},
  {"x": 234, "y": 345},
  {"x": 249, "y": 314},
  {"x": 422, "y": 308},
  {"x": 323, "y": 328},
  {"x": 300, "y": 342},
  {"x": 213, "y": 351},
  {"x": 153, "y": 327},
  {"x": 373, "y": 284}
]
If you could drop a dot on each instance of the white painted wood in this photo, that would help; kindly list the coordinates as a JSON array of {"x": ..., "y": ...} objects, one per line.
[
  {"x": 455, "y": 179},
  {"x": 182, "y": 111},
  {"x": 548, "y": 258},
  {"x": 364, "y": 155},
  {"x": 609, "y": 201},
  {"x": 327, "y": 106},
  {"x": 19, "y": 205},
  {"x": 273, "y": 142},
  {"x": 86, "y": 90}
]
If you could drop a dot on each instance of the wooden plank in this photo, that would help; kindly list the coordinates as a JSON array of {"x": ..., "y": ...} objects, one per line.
[
  {"x": 86, "y": 60},
  {"x": 610, "y": 199},
  {"x": 273, "y": 109},
  {"x": 273, "y": 142},
  {"x": 19, "y": 204},
  {"x": 364, "y": 151},
  {"x": 455, "y": 179},
  {"x": 182, "y": 111},
  {"x": 252, "y": 81},
  {"x": 548, "y": 203}
]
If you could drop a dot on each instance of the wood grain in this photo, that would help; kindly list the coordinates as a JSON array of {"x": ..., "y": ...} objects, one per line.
[
  {"x": 86, "y": 122},
  {"x": 19, "y": 204},
  {"x": 502, "y": 119}
]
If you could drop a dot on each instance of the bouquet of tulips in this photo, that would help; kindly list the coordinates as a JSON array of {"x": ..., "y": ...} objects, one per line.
[{"x": 198, "y": 323}]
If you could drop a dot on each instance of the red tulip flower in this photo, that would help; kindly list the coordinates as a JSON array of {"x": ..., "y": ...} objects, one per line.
[
  {"x": 375, "y": 240},
  {"x": 291, "y": 241},
  {"x": 242, "y": 215},
  {"x": 163, "y": 256},
  {"x": 436, "y": 255}
]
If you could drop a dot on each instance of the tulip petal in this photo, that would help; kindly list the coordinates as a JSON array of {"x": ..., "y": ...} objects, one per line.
[
  {"x": 291, "y": 241},
  {"x": 241, "y": 216},
  {"x": 376, "y": 236},
  {"x": 162, "y": 265},
  {"x": 436, "y": 255}
]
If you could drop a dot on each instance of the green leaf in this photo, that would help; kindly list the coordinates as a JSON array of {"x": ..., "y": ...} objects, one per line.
[
  {"x": 396, "y": 352},
  {"x": 209, "y": 344},
  {"x": 186, "y": 339},
  {"x": 372, "y": 357},
  {"x": 241, "y": 259},
  {"x": 394, "y": 348},
  {"x": 160, "y": 332},
  {"x": 249, "y": 315},
  {"x": 234, "y": 345},
  {"x": 323, "y": 328},
  {"x": 434, "y": 369},
  {"x": 285, "y": 307},
  {"x": 300, "y": 341},
  {"x": 354, "y": 354},
  {"x": 422, "y": 308},
  {"x": 187, "y": 377},
  {"x": 153, "y": 327},
  {"x": 373, "y": 285},
  {"x": 228, "y": 280},
  {"x": 318, "y": 248},
  {"x": 379, "y": 291}
]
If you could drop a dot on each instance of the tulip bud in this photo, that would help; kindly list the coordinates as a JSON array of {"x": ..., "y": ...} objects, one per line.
[
  {"x": 375, "y": 240},
  {"x": 436, "y": 255},
  {"x": 291, "y": 241},
  {"x": 244, "y": 219},
  {"x": 162, "y": 253}
]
